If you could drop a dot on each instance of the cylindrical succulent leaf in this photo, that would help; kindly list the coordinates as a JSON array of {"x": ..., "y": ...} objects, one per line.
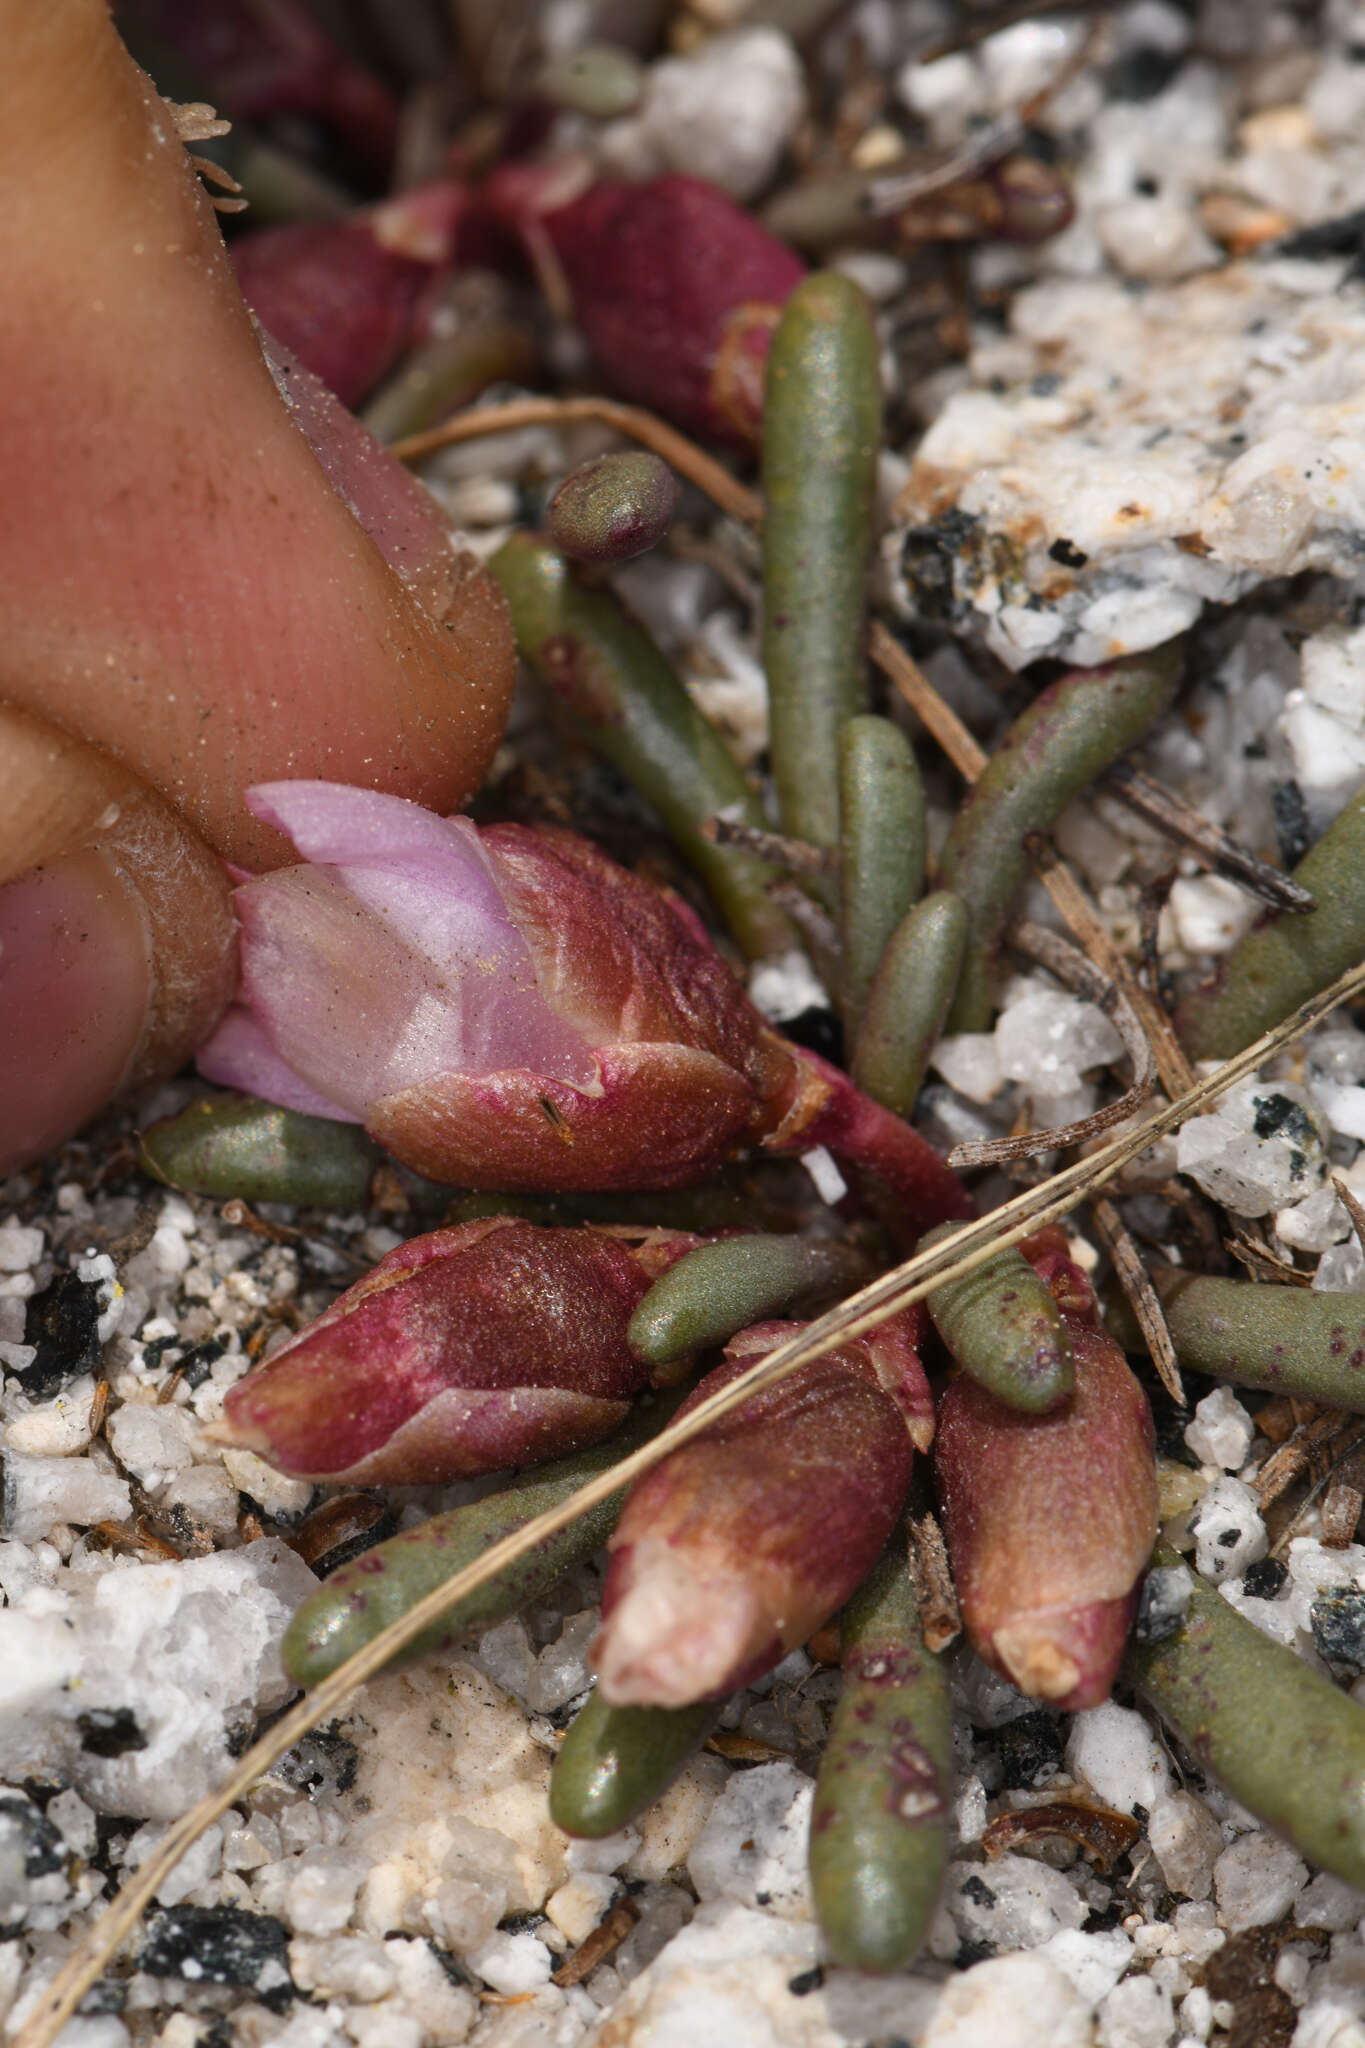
[
  {"x": 741, "y": 1542},
  {"x": 881, "y": 848},
  {"x": 821, "y": 432},
  {"x": 1050, "y": 1518},
  {"x": 360, "y": 1599},
  {"x": 627, "y": 702},
  {"x": 879, "y": 1825},
  {"x": 235, "y": 1145},
  {"x": 911, "y": 994},
  {"x": 616, "y": 1761},
  {"x": 1286, "y": 1742},
  {"x": 1075, "y": 728},
  {"x": 717, "y": 1289},
  {"x": 1289, "y": 1340},
  {"x": 1002, "y": 1326},
  {"x": 496, "y": 1343}
]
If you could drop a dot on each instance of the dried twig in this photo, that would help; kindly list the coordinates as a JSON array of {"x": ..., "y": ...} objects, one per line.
[
  {"x": 963, "y": 1252},
  {"x": 901, "y": 669},
  {"x": 940, "y": 1618},
  {"x": 1263, "y": 1264},
  {"x": 605, "y": 1937},
  {"x": 645, "y": 427},
  {"x": 969, "y": 759},
  {"x": 1143, "y": 1299},
  {"x": 1223, "y": 855},
  {"x": 1344, "y": 1499},
  {"x": 1177, "y": 1075},
  {"x": 1352, "y": 1207},
  {"x": 1294, "y": 1458},
  {"x": 1073, "y": 968},
  {"x": 814, "y": 923},
  {"x": 798, "y": 856}
]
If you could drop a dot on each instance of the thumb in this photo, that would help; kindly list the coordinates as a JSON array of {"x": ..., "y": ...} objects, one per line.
[{"x": 117, "y": 950}]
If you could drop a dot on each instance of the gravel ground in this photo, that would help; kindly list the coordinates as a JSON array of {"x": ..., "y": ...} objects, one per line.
[{"x": 1159, "y": 426}]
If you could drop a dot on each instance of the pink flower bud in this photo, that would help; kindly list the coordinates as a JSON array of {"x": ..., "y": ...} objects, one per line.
[
  {"x": 343, "y": 296},
  {"x": 735, "y": 1547},
  {"x": 1050, "y": 1519},
  {"x": 677, "y": 290},
  {"x": 464, "y": 1351},
  {"x": 507, "y": 1008}
]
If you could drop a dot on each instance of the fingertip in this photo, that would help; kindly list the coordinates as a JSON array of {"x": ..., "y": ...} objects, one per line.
[{"x": 75, "y": 991}]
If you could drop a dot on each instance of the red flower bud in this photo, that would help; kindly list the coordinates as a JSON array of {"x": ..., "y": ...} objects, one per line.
[
  {"x": 343, "y": 296},
  {"x": 735, "y": 1547},
  {"x": 464, "y": 1351},
  {"x": 1050, "y": 1519},
  {"x": 677, "y": 290}
]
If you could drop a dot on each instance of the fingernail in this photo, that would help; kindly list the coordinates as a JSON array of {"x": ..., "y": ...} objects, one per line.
[{"x": 74, "y": 995}]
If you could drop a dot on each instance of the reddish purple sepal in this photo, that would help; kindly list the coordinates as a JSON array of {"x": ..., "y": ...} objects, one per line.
[
  {"x": 1050, "y": 1519},
  {"x": 735, "y": 1547},
  {"x": 467, "y": 1350}
]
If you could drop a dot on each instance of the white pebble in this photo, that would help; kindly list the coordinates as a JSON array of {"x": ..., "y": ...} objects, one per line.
[
  {"x": 1186, "y": 1841},
  {"x": 969, "y": 1062},
  {"x": 1013, "y": 2001},
  {"x": 1330, "y": 1902},
  {"x": 1012, "y": 1902},
  {"x": 283, "y": 1499},
  {"x": 785, "y": 986},
  {"x": 1094, "y": 1963},
  {"x": 347, "y": 1966},
  {"x": 1257, "y": 1880},
  {"x": 1228, "y": 1531},
  {"x": 1221, "y": 1431},
  {"x": 21, "y": 1246},
  {"x": 75, "y": 1820},
  {"x": 1048, "y": 1040},
  {"x": 1135, "y": 2014},
  {"x": 512, "y": 1963},
  {"x": 1320, "y": 1222},
  {"x": 578, "y": 1905},
  {"x": 1261, "y": 1149},
  {"x": 730, "y": 107},
  {"x": 1115, "y": 1752},
  {"x": 321, "y": 1893},
  {"x": 42, "y": 1491},
  {"x": 753, "y": 1847},
  {"x": 57, "y": 1428},
  {"x": 151, "y": 1442}
]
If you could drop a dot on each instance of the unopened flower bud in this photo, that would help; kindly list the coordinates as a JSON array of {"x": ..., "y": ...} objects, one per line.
[
  {"x": 677, "y": 290},
  {"x": 467, "y": 1350},
  {"x": 736, "y": 1546},
  {"x": 1050, "y": 1519},
  {"x": 343, "y": 295}
]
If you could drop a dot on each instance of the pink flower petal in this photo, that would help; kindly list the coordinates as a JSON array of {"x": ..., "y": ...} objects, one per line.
[
  {"x": 438, "y": 980},
  {"x": 239, "y": 1055}
]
